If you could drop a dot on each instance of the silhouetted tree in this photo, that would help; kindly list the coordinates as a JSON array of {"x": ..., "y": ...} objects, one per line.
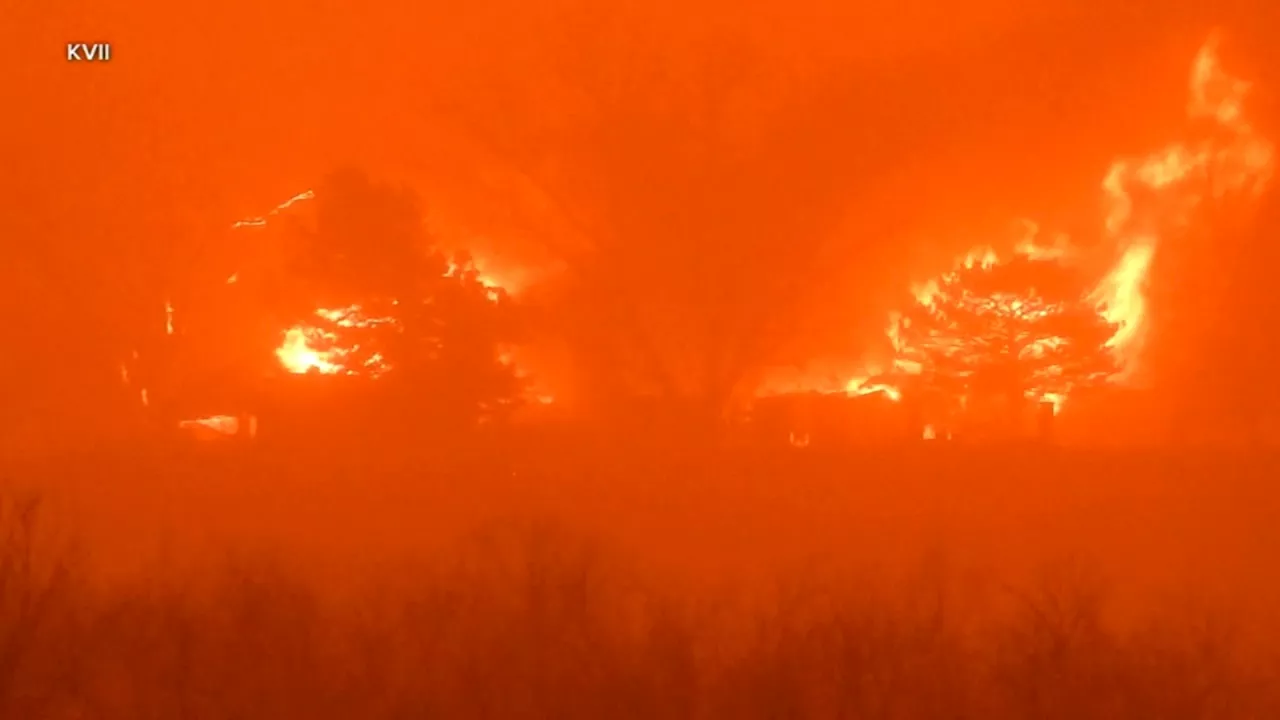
[
  {"x": 686, "y": 180},
  {"x": 368, "y": 247},
  {"x": 38, "y": 669},
  {"x": 357, "y": 251}
]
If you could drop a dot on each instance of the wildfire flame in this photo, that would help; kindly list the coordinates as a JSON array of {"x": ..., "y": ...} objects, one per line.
[
  {"x": 323, "y": 344},
  {"x": 1147, "y": 200},
  {"x": 317, "y": 348},
  {"x": 1237, "y": 159},
  {"x": 320, "y": 346}
]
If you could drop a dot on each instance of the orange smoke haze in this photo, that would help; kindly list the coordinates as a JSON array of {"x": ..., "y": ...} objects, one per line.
[{"x": 748, "y": 341}]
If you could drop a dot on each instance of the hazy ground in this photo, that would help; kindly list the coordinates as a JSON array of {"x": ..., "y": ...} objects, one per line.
[
  {"x": 1023, "y": 583},
  {"x": 1146, "y": 520}
]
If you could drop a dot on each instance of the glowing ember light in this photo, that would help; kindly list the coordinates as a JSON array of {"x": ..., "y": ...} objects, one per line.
[
  {"x": 261, "y": 221},
  {"x": 215, "y": 427},
  {"x": 168, "y": 317},
  {"x": 298, "y": 355},
  {"x": 533, "y": 392},
  {"x": 494, "y": 290},
  {"x": 864, "y": 386},
  {"x": 353, "y": 316},
  {"x": 313, "y": 348}
]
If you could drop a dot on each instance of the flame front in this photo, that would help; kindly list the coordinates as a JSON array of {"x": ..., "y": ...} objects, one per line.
[
  {"x": 1175, "y": 181},
  {"x": 1147, "y": 200}
]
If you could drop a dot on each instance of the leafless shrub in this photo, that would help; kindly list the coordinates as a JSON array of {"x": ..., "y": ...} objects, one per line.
[
  {"x": 40, "y": 671},
  {"x": 534, "y": 621}
]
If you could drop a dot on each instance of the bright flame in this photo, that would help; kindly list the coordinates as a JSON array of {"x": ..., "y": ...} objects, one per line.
[
  {"x": 168, "y": 317},
  {"x": 1054, "y": 399},
  {"x": 314, "y": 348},
  {"x": 298, "y": 353},
  {"x": 864, "y": 386},
  {"x": 1234, "y": 159},
  {"x": 494, "y": 290}
]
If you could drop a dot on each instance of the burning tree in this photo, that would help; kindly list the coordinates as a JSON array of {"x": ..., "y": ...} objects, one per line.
[
  {"x": 373, "y": 294},
  {"x": 344, "y": 282},
  {"x": 1019, "y": 329},
  {"x": 1032, "y": 324}
]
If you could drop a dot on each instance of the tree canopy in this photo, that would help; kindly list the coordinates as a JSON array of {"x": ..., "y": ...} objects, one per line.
[{"x": 1021, "y": 327}]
